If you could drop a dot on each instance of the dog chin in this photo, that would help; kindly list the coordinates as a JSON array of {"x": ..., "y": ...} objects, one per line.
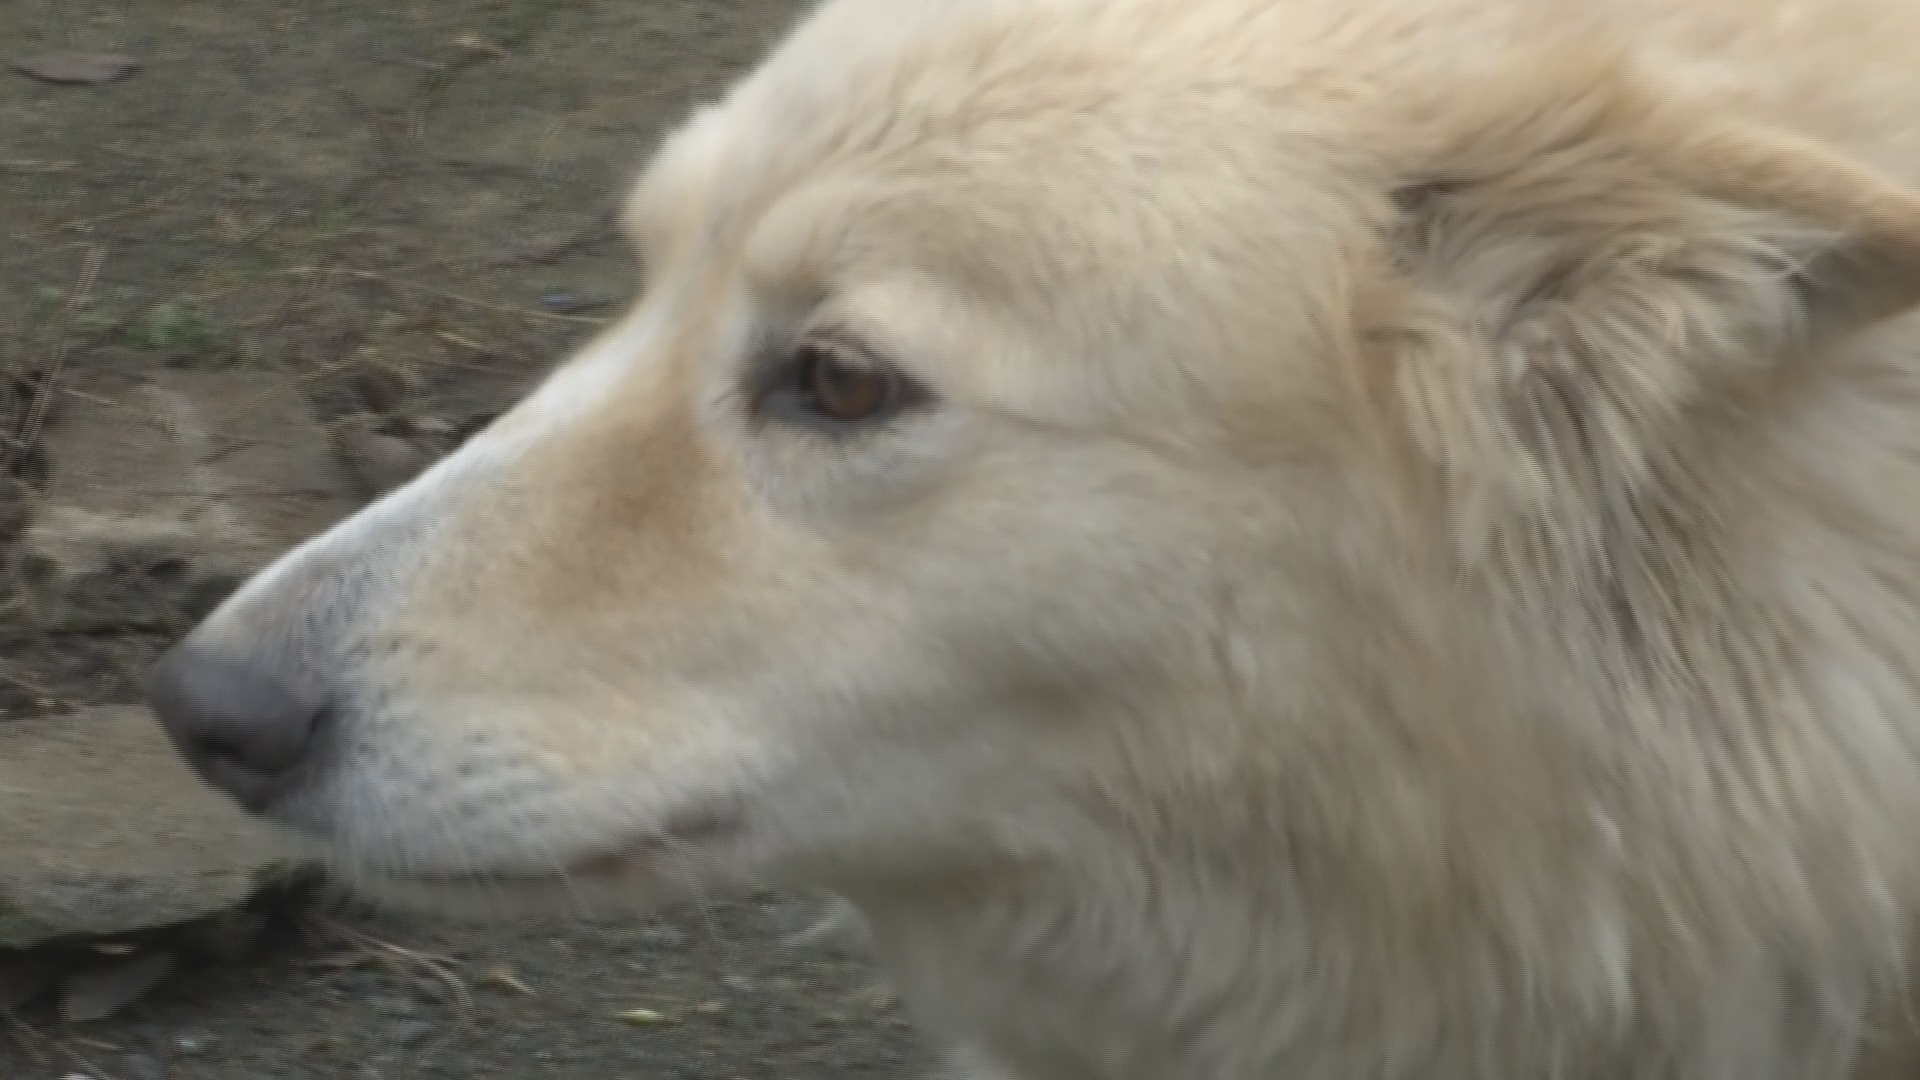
[{"x": 636, "y": 880}]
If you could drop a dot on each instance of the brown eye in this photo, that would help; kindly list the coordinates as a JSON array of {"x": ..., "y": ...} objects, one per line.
[
  {"x": 834, "y": 386},
  {"x": 841, "y": 386}
]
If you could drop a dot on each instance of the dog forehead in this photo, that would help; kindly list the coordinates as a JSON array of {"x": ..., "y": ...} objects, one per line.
[{"x": 1101, "y": 181}]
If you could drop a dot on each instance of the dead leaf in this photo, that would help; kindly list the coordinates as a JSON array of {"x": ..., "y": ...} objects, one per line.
[
  {"x": 474, "y": 43},
  {"x": 78, "y": 68},
  {"x": 500, "y": 977}
]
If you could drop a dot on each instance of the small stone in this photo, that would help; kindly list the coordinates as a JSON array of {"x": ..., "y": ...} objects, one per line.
[
  {"x": 99, "y": 993},
  {"x": 478, "y": 45},
  {"x": 432, "y": 427},
  {"x": 380, "y": 388},
  {"x": 142, "y": 1067},
  {"x": 667, "y": 936},
  {"x": 379, "y": 462},
  {"x": 193, "y": 1043},
  {"x": 394, "y": 1006},
  {"x": 501, "y": 978},
  {"x": 568, "y": 303},
  {"x": 409, "y": 1032},
  {"x": 78, "y": 68}
]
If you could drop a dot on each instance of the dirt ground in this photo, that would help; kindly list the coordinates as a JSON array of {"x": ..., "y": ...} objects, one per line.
[{"x": 407, "y": 207}]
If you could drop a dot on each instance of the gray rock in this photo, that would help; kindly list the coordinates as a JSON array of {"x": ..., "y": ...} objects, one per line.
[
  {"x": 82, "y": 571},
  {"x": 168, "y": 494},
  {"x": 107, "y": 832}
]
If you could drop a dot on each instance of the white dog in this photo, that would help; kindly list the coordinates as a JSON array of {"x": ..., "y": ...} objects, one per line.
[{"x": 1251, "y": 538}]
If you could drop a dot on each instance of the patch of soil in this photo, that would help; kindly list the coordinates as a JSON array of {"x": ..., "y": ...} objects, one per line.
[
  {"x": 408, "y": 209},
  {"x": 712, "y": 994}
]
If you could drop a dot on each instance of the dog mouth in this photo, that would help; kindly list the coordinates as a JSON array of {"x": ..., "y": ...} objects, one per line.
[{"x": 685, "y": 841}]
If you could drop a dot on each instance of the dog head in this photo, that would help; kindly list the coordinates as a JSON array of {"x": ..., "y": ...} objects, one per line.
[{"x": 1053, "y": 430}]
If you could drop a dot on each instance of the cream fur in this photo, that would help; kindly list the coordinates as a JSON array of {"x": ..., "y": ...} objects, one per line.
[{"x": 1413, "y": 569}]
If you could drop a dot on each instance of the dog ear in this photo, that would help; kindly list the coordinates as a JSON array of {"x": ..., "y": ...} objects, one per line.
[{"x": 1590, "y": 262}]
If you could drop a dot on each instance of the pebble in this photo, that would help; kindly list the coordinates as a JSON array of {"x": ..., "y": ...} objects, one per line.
[
  {"x": 566, "y": 303},
  {"x": 501, "y": 977},
  {"x": 380, "y": 388},
  {"x": 359, "y": 984},
  {"x": 394, "y": 1006},
  {"x": 142, "y": 1067},
  {"x": 409, "y": 1032},
  {"x": 78, "y": 68},
  {"x": 192, "y": 1042},
  {"x": 669, "y": 936},
  {"x": 379, "y": 462}
]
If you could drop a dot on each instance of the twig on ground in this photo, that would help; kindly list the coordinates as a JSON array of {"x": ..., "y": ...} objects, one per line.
[
  {"x": 27, "y": 437},
  {"x": 440, "y": 967},
  {"x": 29, "y": 685},
  {"x": 94, "y": 1072},
  {"x": 27, "y": 165},
  {"x": 369, "y": 275},
  {"x": 30, "y": 1042},
  {"x": 543, "y": 255}
]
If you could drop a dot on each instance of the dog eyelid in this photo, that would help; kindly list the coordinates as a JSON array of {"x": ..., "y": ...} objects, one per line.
[{"x": 831, "y": 383}]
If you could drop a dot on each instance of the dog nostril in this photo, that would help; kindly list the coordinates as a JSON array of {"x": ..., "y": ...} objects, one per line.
[{"x": 236, "y": 721}]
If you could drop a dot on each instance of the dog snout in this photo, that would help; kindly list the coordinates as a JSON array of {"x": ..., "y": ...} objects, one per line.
[{"x": 239, "y": 721}]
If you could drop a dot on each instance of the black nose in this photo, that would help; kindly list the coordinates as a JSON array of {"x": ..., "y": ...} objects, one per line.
[{"x": 240, "y": 726}]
